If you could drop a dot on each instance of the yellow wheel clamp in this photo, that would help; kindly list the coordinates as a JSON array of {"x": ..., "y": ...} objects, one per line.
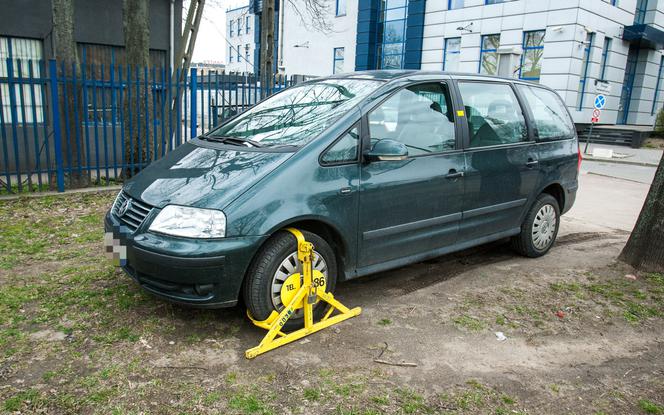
[{"x": 306, "y": 296}]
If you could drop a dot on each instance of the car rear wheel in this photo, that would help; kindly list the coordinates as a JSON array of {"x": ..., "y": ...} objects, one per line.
[
  {"x": 275, "y": 275},
  {"x": 539, "y": 228}
]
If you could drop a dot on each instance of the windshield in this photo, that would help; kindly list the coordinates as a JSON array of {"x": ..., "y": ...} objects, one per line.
[{"x": 298, "y": 114}]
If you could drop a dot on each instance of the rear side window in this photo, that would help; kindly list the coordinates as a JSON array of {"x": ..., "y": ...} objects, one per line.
[
  {"x": 549, "y": 114},
  {"x": 344, "y": 150},
  {"x": 419, "y": 116},
  {"x": 493, "y": 114}
]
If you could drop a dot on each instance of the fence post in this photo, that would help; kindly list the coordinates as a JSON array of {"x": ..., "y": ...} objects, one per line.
[
  {"x": 57, "y": 137},
  {"x": 194, "y": 87}
]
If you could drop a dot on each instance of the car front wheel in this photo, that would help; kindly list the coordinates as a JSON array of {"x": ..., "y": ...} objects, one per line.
[
  {"x": 275, "y": 275},
  {"x": 539, "y": 228}
]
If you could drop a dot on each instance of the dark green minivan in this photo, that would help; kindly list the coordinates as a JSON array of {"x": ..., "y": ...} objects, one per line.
[{"x": 379, "y": 169}]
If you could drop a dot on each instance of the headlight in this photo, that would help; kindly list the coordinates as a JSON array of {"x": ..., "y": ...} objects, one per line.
[{"x": 190, "y": 222}]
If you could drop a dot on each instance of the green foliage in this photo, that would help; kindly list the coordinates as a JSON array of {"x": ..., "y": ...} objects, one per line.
[{"x": 659, "y": 123}]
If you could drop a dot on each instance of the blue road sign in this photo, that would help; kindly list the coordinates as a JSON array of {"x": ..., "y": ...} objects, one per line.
[{"x": 600, "y": 102}]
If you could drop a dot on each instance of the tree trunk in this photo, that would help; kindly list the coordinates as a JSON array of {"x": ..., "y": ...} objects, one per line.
[
  {"x": 267, "y": 46},
  {"x": 645, "y": 247},
  {"x": 71, "y": 131},
  {"x": 137, "y": 108}
]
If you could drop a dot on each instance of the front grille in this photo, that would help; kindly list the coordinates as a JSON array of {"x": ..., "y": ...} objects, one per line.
[{"x": 135, "y": 214}]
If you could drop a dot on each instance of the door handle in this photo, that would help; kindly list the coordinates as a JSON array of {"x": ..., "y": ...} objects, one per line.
[
  {"x": 345, "y": 190},
  {"x": 532, "y": 163},
  {"x": 453, "y": 174}
]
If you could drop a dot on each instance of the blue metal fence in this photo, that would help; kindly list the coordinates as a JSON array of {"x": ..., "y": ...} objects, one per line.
[{"x": 65, "y": 124}]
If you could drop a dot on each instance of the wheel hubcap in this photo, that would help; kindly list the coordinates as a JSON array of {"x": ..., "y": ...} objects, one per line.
[
  {"x": 544, "y": 227},
  {"x": 288, "y": 279}
]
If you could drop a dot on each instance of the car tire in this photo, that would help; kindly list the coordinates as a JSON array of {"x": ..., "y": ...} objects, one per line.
[
  {"x": 258, "y": 287},
  {"x": 539, "y": 229}
]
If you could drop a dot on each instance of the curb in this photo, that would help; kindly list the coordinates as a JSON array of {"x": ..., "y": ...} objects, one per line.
[
  {"x": 605, "y": 160},
  {"x": 68, "y": 192}
]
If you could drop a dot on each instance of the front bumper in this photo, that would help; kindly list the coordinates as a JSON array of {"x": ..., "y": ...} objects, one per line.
[{"x": 201, "y": 273}]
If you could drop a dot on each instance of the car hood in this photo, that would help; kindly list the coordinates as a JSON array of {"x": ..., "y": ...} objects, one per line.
[{"x": 197, "y": 176}]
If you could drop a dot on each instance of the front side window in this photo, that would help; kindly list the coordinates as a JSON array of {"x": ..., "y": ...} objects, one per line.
[
  {"x": 550, "y": 116},
  {"x": 452, "y": 54},
  {"x": 493, "y": 114},
  {"x": 489, "y": 54},
  {"x": 299, "y": 114},
  {"x": 420, "y": 117},
  {"x": 345, "y": 150},
  {"x": 338, "y": 65},
  {"x": 533, "y": 52}
]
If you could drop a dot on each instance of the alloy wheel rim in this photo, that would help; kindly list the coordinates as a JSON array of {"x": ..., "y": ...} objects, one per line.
[
  {"x": 544, "y": 227},
  {"x": 289, "y": 266}
]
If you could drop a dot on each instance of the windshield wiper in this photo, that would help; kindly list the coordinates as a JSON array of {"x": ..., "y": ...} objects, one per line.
[{"x": 232, "y": 140}]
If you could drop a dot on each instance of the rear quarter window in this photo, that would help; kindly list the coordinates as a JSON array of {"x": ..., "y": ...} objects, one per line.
[{"x": 551, "y": 119}]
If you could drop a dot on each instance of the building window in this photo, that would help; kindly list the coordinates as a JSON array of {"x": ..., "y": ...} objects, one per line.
[
  {"x": 611, "y": 2},
  {"x": 230, "y": 28},
  {"x": 451, "y": 54},
  {"x": 247, "y": 25},
  {"x": 489, "y": 54},
  {"x": 230, "y": 54},
  {"x": 605, "y": 58},
  {"x": 641, "y": 9},
  {"x": 584, "y": 70},
  {"x": 247, "y": 48},
  {"x": 454, "y": 4},
  {"x": 531, "y": 59},
  {"x": 341, "y": 8},
  {"x": 659, "y": 83},
  {"x": 30, "y": 52},
  {"x": 239, "y": 26},
  {"x": 393, "y": 18},
  {"x": 338, "y": 66},
  {"x": 239, "y": 53},
  {"x": 494, "y": 1}
]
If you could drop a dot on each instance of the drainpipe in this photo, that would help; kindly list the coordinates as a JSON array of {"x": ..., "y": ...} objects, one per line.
[
  {"x": 172, "y": 36},
  {"x": 282, "y": 5}
]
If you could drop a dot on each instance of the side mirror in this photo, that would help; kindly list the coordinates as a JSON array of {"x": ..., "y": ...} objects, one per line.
[{"x": 387, "y": 150}]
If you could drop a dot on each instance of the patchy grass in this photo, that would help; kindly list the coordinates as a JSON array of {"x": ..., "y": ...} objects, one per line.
[
  {"x": 650, "y": 407},
  {"x": 78, "y": 336},
  {"x": 469, "y": 323},
  {"x": 581, "y": 300}
]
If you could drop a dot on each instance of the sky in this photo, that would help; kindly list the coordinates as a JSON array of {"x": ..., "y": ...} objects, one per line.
[{"x": 211, "y": 44}]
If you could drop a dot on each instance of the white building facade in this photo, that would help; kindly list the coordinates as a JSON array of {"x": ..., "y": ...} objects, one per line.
[
  {"x": 577, "y": 47},
  {"x": 242, "y": 29}
]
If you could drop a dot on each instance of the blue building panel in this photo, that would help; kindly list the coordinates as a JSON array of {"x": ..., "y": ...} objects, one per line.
[
  {"x": 367, "y": 26},
  {"x": 414, "y": 34}
]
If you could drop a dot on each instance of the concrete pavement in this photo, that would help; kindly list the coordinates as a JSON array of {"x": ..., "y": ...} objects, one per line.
[{"x": 624, "y": 155}]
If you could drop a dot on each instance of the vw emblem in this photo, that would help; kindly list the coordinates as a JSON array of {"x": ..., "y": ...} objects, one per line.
[{"x": 126, "y": 205}]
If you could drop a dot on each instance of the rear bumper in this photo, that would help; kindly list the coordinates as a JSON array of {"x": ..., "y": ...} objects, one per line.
[
  {"x": 200, "y": 273},
  {"x": 570, "y": 197}
]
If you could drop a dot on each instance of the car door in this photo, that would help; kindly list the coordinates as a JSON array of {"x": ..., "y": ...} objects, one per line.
[
  {"x": 501, "y": 160},
  {"x": 411, "y": 206}
]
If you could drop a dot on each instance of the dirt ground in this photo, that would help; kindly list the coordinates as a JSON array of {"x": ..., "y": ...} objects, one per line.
[{"x": 77, "y": 336}]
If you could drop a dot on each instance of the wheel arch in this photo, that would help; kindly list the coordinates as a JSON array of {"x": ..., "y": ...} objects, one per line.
[
  {"x": 558, "y": 192},
  {"x": 320, "y": 227}
]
